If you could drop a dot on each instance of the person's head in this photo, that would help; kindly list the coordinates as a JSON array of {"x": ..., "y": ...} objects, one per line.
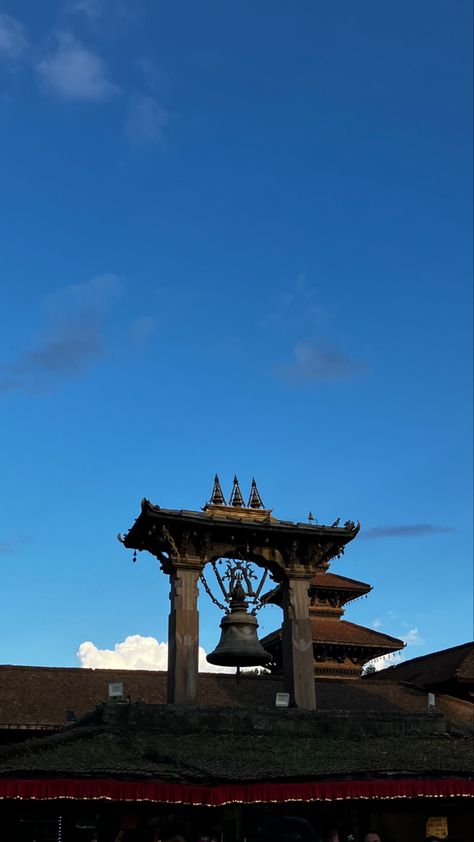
[
  {"x": 372, "y": 836},
  {"x": 287, "y": 829}
]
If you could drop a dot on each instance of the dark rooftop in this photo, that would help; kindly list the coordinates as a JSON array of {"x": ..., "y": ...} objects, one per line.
[
  {"x": 124, "y": 740},
  {"x": 437, "y": 668}
]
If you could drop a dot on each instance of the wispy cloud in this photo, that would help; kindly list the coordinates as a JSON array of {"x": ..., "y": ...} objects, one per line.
[
  {"x": 91, "y": 9},
  {"x": 89, "y": 300},
  {"x": 318, "y": 363},
  {"x": 72, "y": 71},
  {"x": 412, "y": 637},
  {"x": 299, "y": 303},
  {"x": 6, "y": 547},
  {"x": 146, "y": 119},
  {"x": 72, "y": 338},
  {"x": 135, "y": 653},
  {"x": 13, "y": 40},
  {"x": 413, "y": 530},
  {"x": 152, "y": 75},
  {"x": 9, "y": 547},
  {"x": 105, "y": 15}
]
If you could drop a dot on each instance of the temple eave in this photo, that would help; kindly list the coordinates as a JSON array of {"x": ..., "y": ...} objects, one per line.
[{"x": 260, "y": 518}]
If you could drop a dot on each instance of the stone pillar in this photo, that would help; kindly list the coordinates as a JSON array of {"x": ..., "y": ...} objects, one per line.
[
  {"x": 297, "y": 643},
  {"x": 183, "y": 635}
]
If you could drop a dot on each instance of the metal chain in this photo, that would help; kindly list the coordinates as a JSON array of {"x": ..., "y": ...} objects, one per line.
[{"x": 209, "y": 593}]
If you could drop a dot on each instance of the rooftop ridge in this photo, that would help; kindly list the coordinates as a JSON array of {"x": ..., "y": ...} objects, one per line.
[
  {"x": 435, "y": 654},
  {"x": 331, "y": 575}
]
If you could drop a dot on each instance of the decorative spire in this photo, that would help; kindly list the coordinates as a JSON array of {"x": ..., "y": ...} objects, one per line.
[
  {"x": 217, "y": 497},
  {"x": 255, "y": 501},
  {"x": 236, "y": 498}
]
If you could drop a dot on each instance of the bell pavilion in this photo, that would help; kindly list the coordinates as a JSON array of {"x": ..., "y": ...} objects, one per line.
[{"x": 313, "y": 640}]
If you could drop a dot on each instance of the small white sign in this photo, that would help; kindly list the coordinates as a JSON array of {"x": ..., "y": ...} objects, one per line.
[
  {"x": 116, "y": 690},
  {"x": 282, "y": 700}
]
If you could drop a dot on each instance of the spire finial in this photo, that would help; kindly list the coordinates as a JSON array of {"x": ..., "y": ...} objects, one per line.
[
  {"x": 236, "y": 498},
  {"x": 217, "y": 497},
  {"x": 255, "y": 501}
]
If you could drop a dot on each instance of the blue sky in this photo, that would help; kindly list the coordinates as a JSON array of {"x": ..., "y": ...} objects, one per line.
[{"x": 235, "y": 237}]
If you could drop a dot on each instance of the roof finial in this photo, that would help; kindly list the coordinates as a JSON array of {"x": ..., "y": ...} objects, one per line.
[
  {"x": 310, "y": 518},
  {"x": 255, "y": 501},
  {"x": 236, "y": 498},
  {"x": 217, "y": 497}
]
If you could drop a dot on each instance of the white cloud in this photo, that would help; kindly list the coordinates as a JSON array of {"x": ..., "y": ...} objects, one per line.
[
  {"x": 13, "y": 41},
  {"x": 412, "y": 637},
  {"x": 136, "y": 653},
  {"x": 146, "y": 119},
  {"x": 74, "y": 72},
  {"x": 377, "y": 624}
]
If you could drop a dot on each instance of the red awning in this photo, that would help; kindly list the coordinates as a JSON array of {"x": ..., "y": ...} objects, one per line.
[{"x": 90, "y": 789}]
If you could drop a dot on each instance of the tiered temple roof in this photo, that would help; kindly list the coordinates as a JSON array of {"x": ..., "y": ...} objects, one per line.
[{"x": 340, "y": 648}]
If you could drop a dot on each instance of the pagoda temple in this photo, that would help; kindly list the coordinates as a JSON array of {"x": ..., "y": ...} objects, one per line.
[{"x": 340, "y": 648}]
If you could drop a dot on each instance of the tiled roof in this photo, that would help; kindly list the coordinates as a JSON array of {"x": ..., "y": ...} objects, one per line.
[
  {"x": 437, "y": 668},
  {"x": 333, "y": 580},
  {"x": 342, "y": 631},
  {"x": 349, "y": 588},
  {"x": 132, "y": 744},
  {"x": 335, "y": 631},
  {"x": 41, "y": 696}
]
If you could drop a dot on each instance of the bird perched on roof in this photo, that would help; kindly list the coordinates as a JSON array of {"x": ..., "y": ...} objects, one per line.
[{"x": 336, "y": 522}]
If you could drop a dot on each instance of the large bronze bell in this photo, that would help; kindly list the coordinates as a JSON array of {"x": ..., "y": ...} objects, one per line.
[{"x": 239, "y": 645}]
